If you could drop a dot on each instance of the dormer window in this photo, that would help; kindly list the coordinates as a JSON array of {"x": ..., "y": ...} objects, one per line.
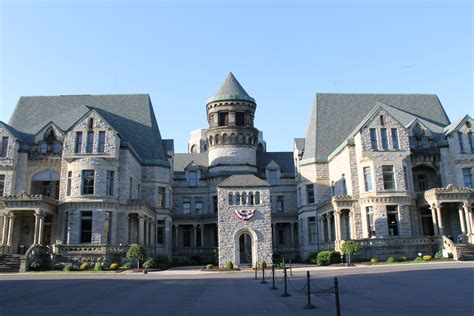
[
  {"x": 382, "y": 120},
  {"x": 273, "y": 177},
  {"x": 78, "y": 146},
  {"x": 43, "y": 148},
  {"x": 192, "y": 178},
  {"x": 4, "y": 149}
]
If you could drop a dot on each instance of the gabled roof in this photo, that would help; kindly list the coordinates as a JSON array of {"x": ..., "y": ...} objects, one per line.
[
  {"x": 243, "y": 180},
  {"x": 11, "y": 130},
  {"x": 283, "y": 159},
  {"x": 181, "y": 161},
  {"x": 335, "y": 116},
  {"x": 231, "y": 90},
  {"x": 454, "y": 125},
  {"x": 131, "y": 115}
]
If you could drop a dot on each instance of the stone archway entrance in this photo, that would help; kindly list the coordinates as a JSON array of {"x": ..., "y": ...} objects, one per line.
[{"x": 245, "y": 249}]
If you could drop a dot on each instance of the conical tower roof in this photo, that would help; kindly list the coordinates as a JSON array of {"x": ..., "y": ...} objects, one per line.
[{"x": 231, "y": 90}]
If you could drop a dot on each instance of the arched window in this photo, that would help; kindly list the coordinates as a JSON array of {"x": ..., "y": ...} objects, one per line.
[
  {"x": 193, "y": 148},
  {"x": 231, "y": 199},
  {"x": 237, "y": 198},
  {"x": 244, "y": 198},
  {"x": 224, "y": 139},
  {"x": 251, "y": 199},
  {"x": 210, "y": 140},
  {"x": 257, "y": 198},
  {"x": 217, "y": 139}
]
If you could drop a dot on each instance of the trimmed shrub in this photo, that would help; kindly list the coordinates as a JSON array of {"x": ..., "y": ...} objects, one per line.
[
  {"x": 210, "y": 266},
  {"x": 229, "y": 265},
  {"x": 418, "y": 259},
  {"x": 68, "y": 267},
  {"x": 390, "y": 260},
  {"x": 98, "y": 267},
  {"x": 38, "y": 265},
  {"x": 427, "y": 258},
  {"x": 374, "y": 260},
  {"x": 161, "y": 261},
  {"x": 402, "y": 259},
  {"x": 126, "y": 266},
  {"x": 84, "y": 266},
  {"x": 263, "y": 264},
  {"x": 439, "y": 254},
  {"x": 311, "y": 258},
  {"x": 149, "y": 264},
  {"x": 325, "y": 258},
  {"x": 114, "y": 266},
  {"x": 137, "y": 252}
]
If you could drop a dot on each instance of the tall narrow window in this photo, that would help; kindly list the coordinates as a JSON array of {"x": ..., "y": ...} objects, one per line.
[
  {"x": 231, "y": 199},
  {"x": 471, "y": 141},
  {"x": 251, "y": 199},
  {"x": 373, "y": 139},
  {"x": 383, "y": 136},
  {"x": 392, "y": 220},
  {"x": 110, "y": 182},
  {"x": 186, "y": 205},
  {"x": 367, "y": 179},
  {"x": 237, "y": 198},
  {"x": 460, "y": 140},
  {"x": 192, "y": 178},
  {"x": 198, "y": 205},
  {"x": 395, "y": 143},
  {"x": 4, "y": 149},
  {"x": 43, "y": 148},
  {"x": 333, "y": 188},
  {"x": 90, "y": 142},
  {"x": 160, "y": 232},
  {"x": 214, "y": 203},
  {"x": 280, "y": 203},
  {"x": 344, "y": 184},
  {"x": 2, "y": 184},
  {"x": 467, "y": 177},
  {"x": 405, "y": 176},
  {"x": 91, "y": 123},
  {"x": 244, "y": 198},
  {"x": 312, "y": 230},
  {"x": 161, "y": 197},
  {"x": 101, "y": 146},
  {"x": 78, "y": 146},
  {"x": 309, "y": 194},
  {"x": 382, "y": 120},
  {"x": 139, "y": 191},
  {"x": 87, "y": 181},
  {"x": 240, "y": 118},
  {"x": 86, "y": 227},
  {"x": 223, "y": 118},
  {"x": 257, "y": 198},
  {"x": 370, "y": 221},
  {"x": 69, "y": 183},
  {"x": 388, "y": 181},
  {"x": 130, "y": 189},
  {"x": 65, "y": 227},
  {"x": 272, "y": 177}
]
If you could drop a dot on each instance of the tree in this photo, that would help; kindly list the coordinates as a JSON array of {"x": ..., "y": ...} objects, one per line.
[
  {"x": 350, "y": 248},
  {"x": 136, "y": 252}
]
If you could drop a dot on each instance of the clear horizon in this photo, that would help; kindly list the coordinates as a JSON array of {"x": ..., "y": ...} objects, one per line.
[{"x": 282, "y": 53}]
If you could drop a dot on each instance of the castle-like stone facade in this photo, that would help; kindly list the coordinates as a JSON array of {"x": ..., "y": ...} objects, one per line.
[{"x": 85, "y": 176}]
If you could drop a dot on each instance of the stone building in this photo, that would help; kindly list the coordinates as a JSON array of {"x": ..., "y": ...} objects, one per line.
[{"x": 83, "y": 177}]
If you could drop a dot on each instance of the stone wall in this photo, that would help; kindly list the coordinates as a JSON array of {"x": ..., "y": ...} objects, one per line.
[{"x": 232, "y": 155}]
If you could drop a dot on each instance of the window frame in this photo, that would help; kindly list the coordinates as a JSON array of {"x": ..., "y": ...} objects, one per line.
[
  {"x": 386, "y": 181},
  {"x": 273, "y": 177},
  {"x": 86, "y": 216},
  {"x": 88, "y": 186},
  {"x": 367, "y": 178},
  {"x": 384, "y": 138},
  {"x": 198, "y": 201},
  {"x": 186, "y": 205},
  {"x": 90, "y": 142},
  {"x": 192, "y": 178},
  {"x": 109, "y": 186},
  {"x": 78, "y": 143},
  {"x": 392, "y": 211},
  {"x": 373, "y": 138},
  {"x": 101, "y": 142},
  {"x": 395, "y": 140},
  {"x": 310, "y": 196}
]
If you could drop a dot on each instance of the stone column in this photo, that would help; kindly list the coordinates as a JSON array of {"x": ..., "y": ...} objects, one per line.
[
  {"x": 273, "y": 234},
  {"x": 41, "y": 229},
  {"x": 337, "y": 225},
  {"x": 351, "y": 225},
  {"x": 462, "y": 221},
  {"x": 36, "y": 230},
  {"x": 328, "y": 222},
  {"x": 141, "y": 228},
  {"x": 10, "y": 230},
  {"x": 153, "y": 232},
  {"x": 195, "y": 235},
  {"x": 321, "y": 229},
  {"x": 292, "y": 231},
  {"x": 468, "y": 216},
  {"x": 202, "y": 236},
  {"x": 435, "y": 220},
  {"x": 440, "y": 220},
  {"x": 176, "y": 232},
  {"x": 6, "y": 221}
]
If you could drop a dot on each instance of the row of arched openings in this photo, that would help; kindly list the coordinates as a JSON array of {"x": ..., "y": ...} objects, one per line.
[{"x": 244, "y": 198}]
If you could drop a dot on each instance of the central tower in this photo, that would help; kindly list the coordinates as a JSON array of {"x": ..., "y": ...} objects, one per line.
[{"x": 232, "y": 138}]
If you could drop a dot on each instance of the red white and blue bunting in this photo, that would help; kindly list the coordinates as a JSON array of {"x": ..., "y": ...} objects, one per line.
[{"x": 244, "y": 214}]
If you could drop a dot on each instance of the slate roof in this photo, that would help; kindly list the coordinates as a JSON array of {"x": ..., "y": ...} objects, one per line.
[
  {"x": 334, "y": 116},
  {"x": 244, "y": 180},
  {"x": 231, "y": 90},
  {"x": 453, "y": 126},
  {"x": 131, "y": 115},
  {"x": 182, "y": 160},
  {"x": 283, "y": 159}
]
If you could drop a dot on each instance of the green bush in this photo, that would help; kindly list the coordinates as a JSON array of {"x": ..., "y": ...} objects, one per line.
[
  {"x": 98, "y": 267},
  {"x": 126, "y": 266},
  {"x": 38, "y": 265},
  {"x": 84, "y": 266},
  {"x": 427, "y": 258},
  {"x": 350, "y": 248},
  {"x": 114, "y": 266},
  {"x": 263, "y": 264},
  {"x": 390, "y": 260},
  {"x": 311, "y": 258},
  {"x": 69, "y": 267},
  {"x": 374, "y": 260},
  {"x": 58, "y": 266},
  {"x": 402, "y": 259},
  {"x": 439, "y": 254},
  {"x": 325, "y": 258},
  {"x": 161, "y": 261},
  {"x": 149, "y": 264},
  {"x": 210, "y": 266},
  {"x": 418, "y": 259},
  {"x": 229, "y": 265},
  {"x": 137, "y": 252}
]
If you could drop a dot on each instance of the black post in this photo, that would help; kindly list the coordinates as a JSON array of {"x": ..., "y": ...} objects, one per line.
[
  {"x": 336, "y": 293},
  {"x": 256, "y": 273},
  {"x": 286, "y": 285},
  {"x": 273, "y": 278},
  {"x": 309, "y": 305},
  {"x": 263, "y": 275}
]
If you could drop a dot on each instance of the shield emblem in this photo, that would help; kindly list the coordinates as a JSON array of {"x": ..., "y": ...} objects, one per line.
[{"x": 244, "y": 214}]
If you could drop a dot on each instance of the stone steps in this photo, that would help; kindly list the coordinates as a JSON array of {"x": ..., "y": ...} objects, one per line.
[
  {"x": 9, "y": 263},
  {"x": 465, "y": 252}
]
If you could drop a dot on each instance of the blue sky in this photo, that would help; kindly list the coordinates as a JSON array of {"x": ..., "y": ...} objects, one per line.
[{"x": 282, "y": 52}]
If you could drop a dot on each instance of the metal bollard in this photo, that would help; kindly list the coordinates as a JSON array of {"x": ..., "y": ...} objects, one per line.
[
  {"x": 286, "y": 285},
  {"x": 291, "y": 269},
  {"x": 336, "y": 294},
  {"x": 256, "y": 273},
  {"x": 309, "y": 305},
  {"x": 273, "y": 278},
  {"x": 263, "y": 276}
]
